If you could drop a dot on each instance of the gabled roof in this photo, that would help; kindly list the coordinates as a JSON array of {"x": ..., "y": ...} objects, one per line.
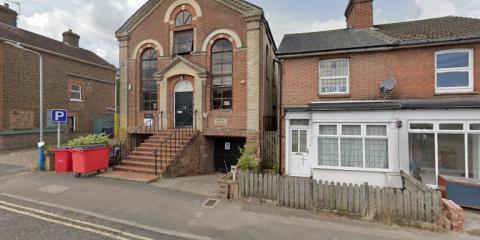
[
  {"x": 15, "y": 34},
  {"x": 245, "y": 8},
  {"x": 179, "y": 59},
  {"x": 429, "y": 31}
]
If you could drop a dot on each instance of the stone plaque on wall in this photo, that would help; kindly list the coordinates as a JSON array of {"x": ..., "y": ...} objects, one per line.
[{"x": 221, "y": 122}]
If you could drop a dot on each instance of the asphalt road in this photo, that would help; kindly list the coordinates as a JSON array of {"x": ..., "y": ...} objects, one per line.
[{"x": 22, "y": 220}]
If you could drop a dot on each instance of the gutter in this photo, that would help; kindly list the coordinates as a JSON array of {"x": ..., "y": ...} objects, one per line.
[
  {"x": 280, "y": 115},
  {"x": 412, "y": 44},
  {"x": 57, "y": 54}
]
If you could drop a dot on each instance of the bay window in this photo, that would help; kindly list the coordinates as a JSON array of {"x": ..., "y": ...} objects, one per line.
[
  {"x": 353, "y": 146},
  {"x": 454, "y": 71},
  {"x": 444, "y": 148}
]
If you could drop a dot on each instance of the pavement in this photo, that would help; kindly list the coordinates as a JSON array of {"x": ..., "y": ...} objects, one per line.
[
  {"x": 203, "y": 185},
  {"x": 25, "y": 158},
  {"x": 180, "y": 214}
]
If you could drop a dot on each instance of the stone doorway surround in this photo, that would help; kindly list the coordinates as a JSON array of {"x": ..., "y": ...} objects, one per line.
[{"x": 177, "y": 67}]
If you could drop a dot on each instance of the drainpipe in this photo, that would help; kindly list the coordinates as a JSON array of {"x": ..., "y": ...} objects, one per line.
[{"x": 280, "y": 116}]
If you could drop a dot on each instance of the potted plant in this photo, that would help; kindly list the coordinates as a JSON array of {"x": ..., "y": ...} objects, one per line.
[{"x": 90, "y": 153}]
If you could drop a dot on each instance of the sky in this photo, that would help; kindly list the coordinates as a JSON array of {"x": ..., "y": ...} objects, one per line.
[{"x": 97, "y": 20}]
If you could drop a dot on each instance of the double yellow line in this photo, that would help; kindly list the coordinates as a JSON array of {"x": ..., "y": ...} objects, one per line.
[{"x": 69, "y": 222}]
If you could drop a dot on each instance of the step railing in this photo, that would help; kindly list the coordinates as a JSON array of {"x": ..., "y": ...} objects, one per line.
[{"x": 152, "y": 126}]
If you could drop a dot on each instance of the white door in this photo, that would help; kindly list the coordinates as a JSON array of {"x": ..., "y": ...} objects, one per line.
[{"x": 299, "y": 162}]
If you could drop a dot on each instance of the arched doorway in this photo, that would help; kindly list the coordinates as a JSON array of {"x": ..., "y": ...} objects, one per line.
[{"x": 183, "y": 104}]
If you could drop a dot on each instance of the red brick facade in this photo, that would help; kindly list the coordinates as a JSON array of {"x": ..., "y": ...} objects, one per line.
[{"x": 19, "y": 93}]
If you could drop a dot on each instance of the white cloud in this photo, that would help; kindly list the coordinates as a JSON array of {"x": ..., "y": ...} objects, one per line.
[
  {"x": 328, "y": 25},
  {"x": 435, "y": 8}
]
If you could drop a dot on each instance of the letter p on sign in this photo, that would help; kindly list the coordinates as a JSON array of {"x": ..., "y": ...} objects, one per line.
[{"x": 59, "y": 116}]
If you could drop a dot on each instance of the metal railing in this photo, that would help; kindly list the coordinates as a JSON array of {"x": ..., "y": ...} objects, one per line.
[
  {"x": 152, "y": 126},
  {"x": 169, "y": 149}
]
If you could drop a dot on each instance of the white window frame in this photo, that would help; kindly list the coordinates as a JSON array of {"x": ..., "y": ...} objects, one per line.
[
  {"x": 436, "y": 131},
  {"x": 333, "y": 77},
  {"x": 75, "y": 91},
  {"x": 339, "y": 136},
  {"x": 470, "y": 69}
]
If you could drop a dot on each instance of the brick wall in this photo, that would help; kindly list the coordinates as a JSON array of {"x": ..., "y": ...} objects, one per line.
[
  {"x": 214, "y": 16},
  {"x": 414, "y": 70},
  {"x": 20, "y": 83}
]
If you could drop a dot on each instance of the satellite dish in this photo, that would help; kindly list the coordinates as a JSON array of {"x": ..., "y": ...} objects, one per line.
[{"x": 388, "y": 85}]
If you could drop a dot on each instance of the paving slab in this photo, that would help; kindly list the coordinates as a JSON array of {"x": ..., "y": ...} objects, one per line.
[
  {"x": 25, "y": 158},
  {"x": 203, "y": 185}
]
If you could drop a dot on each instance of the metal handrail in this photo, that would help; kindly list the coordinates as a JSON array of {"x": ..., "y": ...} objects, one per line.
[{"x": 150, "y": 127}]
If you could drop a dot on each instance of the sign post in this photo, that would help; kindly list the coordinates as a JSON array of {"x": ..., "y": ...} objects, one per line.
[{"x": 59, "y": 116}]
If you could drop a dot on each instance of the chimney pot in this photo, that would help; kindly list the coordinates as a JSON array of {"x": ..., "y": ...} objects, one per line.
[
  {"x": 359, "y": 14},
  {"x": 70, "y": 38},
  {"x": 7, "y": 15}
]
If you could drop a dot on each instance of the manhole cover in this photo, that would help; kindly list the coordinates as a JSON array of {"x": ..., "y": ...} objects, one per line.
[
  {"x": 210, "y": 203},
  {"x": 54, "y": 189}
]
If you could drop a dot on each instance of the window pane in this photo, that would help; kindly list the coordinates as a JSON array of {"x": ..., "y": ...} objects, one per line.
[
  {"x": 376, "y": 130},
  {"x": 303, "y": 122},
  {"x": 474, "y": 156},
  {"x": 334, "y": 85},
  {"x": 475, "y": 127},
  {"x": 75, "y": 87},
  {"x": 352, "y": 152},
  {"x": 451, "y": 154},
  {"x": 328, "y": 152},
  {"x": 354, "y": 130},
  {"x": 294, "y": 141},
  {"x": 75, "y": 95},
  {"x": 453, "y": 79},
  {"x": 328, "y": 130},
  {"x": 421, "y": 126},
  {"x": 451, "y": 126},
  {"x": 453, "y": 60},
  {"x": 227, "y": 81},
  {"x": 217, "y": 81},
  {"x": 303, "y": 141},
  {"x": 334, "y": 68},
  {"x": 217, "y": 69},
  {"x": 376, "y": 153},
  {"x": 422, "y": 157}
]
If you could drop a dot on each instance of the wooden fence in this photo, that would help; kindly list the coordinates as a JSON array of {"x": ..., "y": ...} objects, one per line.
[
  {"x": 355, "y": 200},
  {"x": 270, "y": 145}
]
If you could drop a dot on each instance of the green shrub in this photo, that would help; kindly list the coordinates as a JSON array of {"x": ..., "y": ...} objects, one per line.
[
  {"x": 275, "y": 168},
  {"x": 94, "y": 139},
  {"x": 248, "y": 161}
]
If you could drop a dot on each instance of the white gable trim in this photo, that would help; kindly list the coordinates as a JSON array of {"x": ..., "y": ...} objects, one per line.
[
  {"x": 234, "y": 35},
  {"x": 193, "y": 3},
  {"x": 158, "y": 46}
]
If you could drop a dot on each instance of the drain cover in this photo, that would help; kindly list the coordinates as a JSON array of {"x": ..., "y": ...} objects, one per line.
[{"x": 210, "y": 203}]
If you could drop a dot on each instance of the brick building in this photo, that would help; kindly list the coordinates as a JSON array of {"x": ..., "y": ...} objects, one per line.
[
  {"x": 74, "y": 79},
  {"x": 363, "y": 103},
  {"x": 206, "y": 65}
]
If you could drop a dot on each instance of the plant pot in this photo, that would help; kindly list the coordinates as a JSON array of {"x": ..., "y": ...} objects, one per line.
[{"x": 90, "y": 159}]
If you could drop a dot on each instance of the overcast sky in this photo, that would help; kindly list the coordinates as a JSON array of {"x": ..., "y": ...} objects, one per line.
[{"x": 96, "y": 20}]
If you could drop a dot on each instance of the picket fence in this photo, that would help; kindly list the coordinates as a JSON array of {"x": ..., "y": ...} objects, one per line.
[{"x": 356, "y": 200}]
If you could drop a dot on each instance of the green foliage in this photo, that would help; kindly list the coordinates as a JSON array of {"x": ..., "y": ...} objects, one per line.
[
  {"x": 94, "y": 139},
  {"x": 275, "y": 168},
  {"x": 248, "y": 161}
]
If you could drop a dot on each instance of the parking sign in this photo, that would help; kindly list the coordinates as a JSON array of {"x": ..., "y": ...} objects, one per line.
[{"x": 59, "y": 116}]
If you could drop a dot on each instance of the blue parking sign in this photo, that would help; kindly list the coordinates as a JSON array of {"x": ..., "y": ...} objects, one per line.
[{"x": 59, "y": 116}]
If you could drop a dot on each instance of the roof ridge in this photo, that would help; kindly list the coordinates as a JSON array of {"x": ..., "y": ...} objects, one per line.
[
  {"x": 426, "y": 19},
  {"x": 45, "y": 38}
]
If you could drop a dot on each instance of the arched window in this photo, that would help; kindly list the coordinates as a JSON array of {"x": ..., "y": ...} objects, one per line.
[
  {"x": 222, "y": 69},
  {"x": 148, "y": 67},
  {"x": 183, "y": 18}
]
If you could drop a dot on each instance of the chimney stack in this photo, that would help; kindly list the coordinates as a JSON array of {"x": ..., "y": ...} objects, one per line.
[
  {"x": 359, "y": 14},
  {"x": 7, "y": 15},
  {"x": 70, "y": 38}
]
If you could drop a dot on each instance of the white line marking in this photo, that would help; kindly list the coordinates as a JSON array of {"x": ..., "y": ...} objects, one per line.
[
  {"x": 116, "y": 231},
  {"x": 111, "y": 219},
  {"x": 62, "y": 223}
]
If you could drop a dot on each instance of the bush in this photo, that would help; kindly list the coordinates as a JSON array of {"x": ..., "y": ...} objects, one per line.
[
  {"x": 94, "y": 139},
  {"x": 248, "y": 161}
]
